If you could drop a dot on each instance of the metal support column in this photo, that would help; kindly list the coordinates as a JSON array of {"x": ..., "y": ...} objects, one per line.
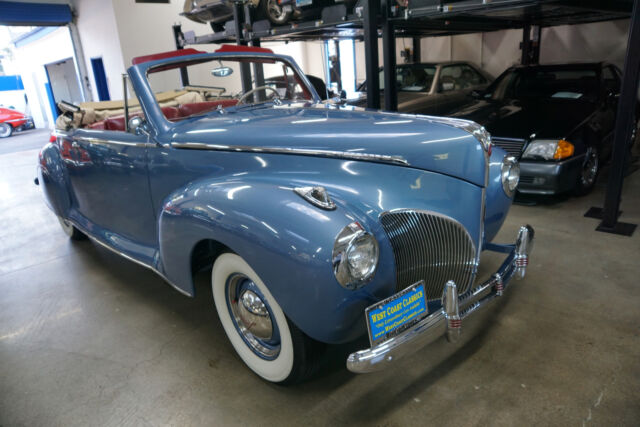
[
  {"x": 179, "y": 39},
  {"x": 389, "y": 59},
  {"x": 370, "y": 25},
  {"x": 238, "y": 20},
  {"x": 623, "y": 129},
  {"x": 415, "y": 57},
  {"x": 525, "y": 46}
]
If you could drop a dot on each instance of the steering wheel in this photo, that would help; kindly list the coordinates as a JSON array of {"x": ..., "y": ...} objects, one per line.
[{"x": 249, "y": 92}]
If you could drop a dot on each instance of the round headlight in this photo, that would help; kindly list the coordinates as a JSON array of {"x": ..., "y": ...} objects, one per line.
[
  {"x": 355, "y": 256},
  {"x": 510, "y": 175}
]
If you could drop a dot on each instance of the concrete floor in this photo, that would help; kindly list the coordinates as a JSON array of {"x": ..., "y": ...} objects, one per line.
[{"x": 88, "y": 338}]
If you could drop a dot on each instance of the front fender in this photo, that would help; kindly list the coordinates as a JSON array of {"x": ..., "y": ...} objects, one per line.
[
  {"x": 497, "y": 202},
  {"x": 286, "y": 240}
]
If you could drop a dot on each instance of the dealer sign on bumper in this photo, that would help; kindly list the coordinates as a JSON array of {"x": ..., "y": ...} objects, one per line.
[{"x": 396, "y": 313}]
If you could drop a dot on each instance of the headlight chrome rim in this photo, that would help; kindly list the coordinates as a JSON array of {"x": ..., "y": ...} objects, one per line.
[
  {"x": 510, "y": 175},
  {"x": 347, "y": 241}
]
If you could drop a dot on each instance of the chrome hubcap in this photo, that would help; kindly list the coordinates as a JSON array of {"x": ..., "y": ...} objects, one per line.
[
  {"x": 252, "y": 317},
  {"x": 275, "y": 10},
  {"x": 4, "y": 129},
  {"x": 590, "y": 168}
]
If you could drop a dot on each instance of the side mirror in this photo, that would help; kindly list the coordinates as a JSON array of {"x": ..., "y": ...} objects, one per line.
[
  {"x": 343, "y": 94},
  {"x": 137, "y": 125}
]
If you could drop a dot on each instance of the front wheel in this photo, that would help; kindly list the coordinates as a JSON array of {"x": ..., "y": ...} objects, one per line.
[
  {"x": 5, "y": 130},
  {"x": 589, "y": 172},
  {"x": 267, "y": 342}
]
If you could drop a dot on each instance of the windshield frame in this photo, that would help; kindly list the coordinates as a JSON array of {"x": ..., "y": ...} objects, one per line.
[{"x": 139, "y": 77}]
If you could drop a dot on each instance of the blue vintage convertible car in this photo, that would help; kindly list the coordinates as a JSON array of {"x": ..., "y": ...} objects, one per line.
[{"x": 321, "y": 223}]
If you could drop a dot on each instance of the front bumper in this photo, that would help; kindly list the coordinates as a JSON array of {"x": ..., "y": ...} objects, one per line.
[
  {"x": 448, "y": 320},
  {"x": 547, "y": 178}
]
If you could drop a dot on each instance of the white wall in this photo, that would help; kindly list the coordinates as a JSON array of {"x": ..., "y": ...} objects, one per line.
[
  {"x": 600, "y": 41},
  {"x": 99, "y": 38},
  {"x": 31, "y": 60}
]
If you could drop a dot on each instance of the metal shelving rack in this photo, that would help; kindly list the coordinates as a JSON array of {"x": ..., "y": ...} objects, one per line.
[{"x": 371, "y": 19}]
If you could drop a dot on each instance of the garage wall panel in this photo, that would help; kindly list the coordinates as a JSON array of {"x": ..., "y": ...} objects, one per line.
[
  {"x": 600, "y": 41},
  {"x": 500, "y": 50},
  {"x": 100, "y": 39}
]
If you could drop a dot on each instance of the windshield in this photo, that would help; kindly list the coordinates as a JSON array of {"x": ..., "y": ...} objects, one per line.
[
  {"x": 222, "y": 83},
  {"x": 410, "y": 78},
  {"x": 546, "y": 83}
]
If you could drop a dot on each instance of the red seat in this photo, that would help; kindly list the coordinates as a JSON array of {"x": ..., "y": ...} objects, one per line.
[
  {"x": 171, "y": 113},
  {"x": 194, "y": 108},
  {"x": 97, "y": 125}
]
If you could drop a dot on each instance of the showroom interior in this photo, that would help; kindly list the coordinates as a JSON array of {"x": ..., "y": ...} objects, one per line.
[{"x": 221, "y": 212}]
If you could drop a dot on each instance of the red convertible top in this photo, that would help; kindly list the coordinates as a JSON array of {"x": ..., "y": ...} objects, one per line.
[
  {"x": 165, "y": 55},
  {"x": 191, "y": 51},
  {"x": 239, "y": 48}
]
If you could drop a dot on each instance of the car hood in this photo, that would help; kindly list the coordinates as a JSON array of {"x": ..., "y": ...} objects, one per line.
[
  {"x": 424, "y": 142},
  {"x": 522, "y": 118}
]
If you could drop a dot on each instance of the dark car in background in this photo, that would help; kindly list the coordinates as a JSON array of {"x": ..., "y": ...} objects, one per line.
[
  {"x": 558, "y": 120},
  {"x": 432, "y": 88}
]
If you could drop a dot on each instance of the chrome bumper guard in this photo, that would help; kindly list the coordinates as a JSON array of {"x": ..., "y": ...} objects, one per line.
[{"x": 448, "y": 320}]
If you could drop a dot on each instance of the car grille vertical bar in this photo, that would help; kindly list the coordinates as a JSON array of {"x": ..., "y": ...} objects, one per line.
[
  {"x": 512, "y": 146},
  {"x": 431, "y": 247}
]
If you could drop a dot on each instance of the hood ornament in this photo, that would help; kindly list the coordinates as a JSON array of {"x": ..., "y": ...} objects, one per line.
[{"x": 317, "y": 196}]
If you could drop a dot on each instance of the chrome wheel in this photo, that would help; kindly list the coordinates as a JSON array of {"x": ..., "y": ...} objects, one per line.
[
  {"x": 276, "y": 13},
  {"x": 590, "y": 168},
  {"x": 252, "y": 316},
  {"x": 5, "y": 130}
]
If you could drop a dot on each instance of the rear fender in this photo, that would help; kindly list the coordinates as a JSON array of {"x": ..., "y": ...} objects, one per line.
[{"x": 53, "y": 181}]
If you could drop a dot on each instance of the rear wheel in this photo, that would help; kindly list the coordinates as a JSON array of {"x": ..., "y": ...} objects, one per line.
[
  {"x": 267, "y": 342},
  {"x": 589, "y": 172},
  {"x": 274, "y": 12},
  {"x": 5, "y": 130},
  {"x": 70, "y": 230}
]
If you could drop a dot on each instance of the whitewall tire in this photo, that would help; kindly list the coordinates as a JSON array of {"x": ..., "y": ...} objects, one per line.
[
  {"x": 70, "y": 230},
  {"x": 276, "y": 365}
]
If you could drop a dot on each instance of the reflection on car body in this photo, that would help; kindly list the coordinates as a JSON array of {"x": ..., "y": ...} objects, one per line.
[{"x": 308, "y": 217}]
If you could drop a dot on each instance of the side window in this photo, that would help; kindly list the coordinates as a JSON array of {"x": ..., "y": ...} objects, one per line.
[
  {"x": 610, "y": 80},
  {"x": 458, "y": 77}
]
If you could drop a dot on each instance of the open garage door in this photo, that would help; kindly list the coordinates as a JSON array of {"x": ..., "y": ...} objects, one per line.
[{"x": 34, "y": 14}]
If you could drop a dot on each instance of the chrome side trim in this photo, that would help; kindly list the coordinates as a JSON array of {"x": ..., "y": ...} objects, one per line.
[
  {"x": 365, "y": 157},
  {"x": 122, "y": 254},
  {"x": 102, "y": 141}
]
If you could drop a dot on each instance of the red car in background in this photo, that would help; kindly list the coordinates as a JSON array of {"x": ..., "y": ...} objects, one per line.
[{"x": 11, "y": 120}]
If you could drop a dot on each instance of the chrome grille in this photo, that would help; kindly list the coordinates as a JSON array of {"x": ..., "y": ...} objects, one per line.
[
  {"x": 431, "y": 247},
  {"x": 513, "y": 147}
]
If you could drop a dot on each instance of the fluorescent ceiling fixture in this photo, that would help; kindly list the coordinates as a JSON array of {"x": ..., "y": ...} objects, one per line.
[
  {"x": 309, "y": 121},
  {"x": 447, "y": 139},
  {"x": 207, "y": 130},
  {"x": 394, "y": 122}
]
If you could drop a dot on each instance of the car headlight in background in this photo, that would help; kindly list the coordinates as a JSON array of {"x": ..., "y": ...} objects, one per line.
[
  {"x": 510, "y": 175},
  {"x": 549, "y": 149},
  {"x": 355, "y": 256}
]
